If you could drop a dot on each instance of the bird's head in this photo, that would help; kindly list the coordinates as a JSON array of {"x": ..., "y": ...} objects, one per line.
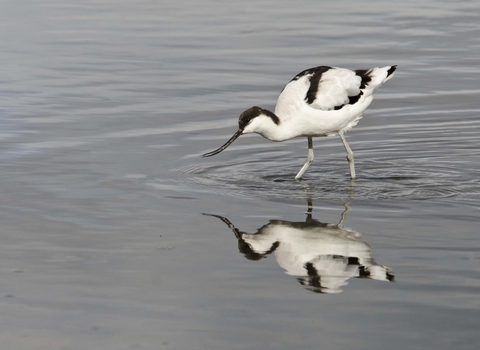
[{"x": 254, "y": 119}]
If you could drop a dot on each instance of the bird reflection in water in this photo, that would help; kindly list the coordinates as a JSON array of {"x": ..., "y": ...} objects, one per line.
[{"x": 322, "y": 256}]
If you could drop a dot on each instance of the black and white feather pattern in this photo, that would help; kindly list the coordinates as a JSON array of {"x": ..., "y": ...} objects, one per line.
[{"x": 330, "y": 88}]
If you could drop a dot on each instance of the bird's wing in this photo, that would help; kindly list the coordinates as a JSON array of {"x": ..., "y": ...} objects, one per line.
[{"x": 332, "y": 88}]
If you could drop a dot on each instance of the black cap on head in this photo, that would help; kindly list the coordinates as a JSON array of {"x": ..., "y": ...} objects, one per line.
[
  {"x": 253, "y": 112},
  {"x": 247, "y": 116}
]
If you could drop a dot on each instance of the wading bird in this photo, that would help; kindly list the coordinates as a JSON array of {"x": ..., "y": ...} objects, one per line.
[{"x": 320, "y": 101}]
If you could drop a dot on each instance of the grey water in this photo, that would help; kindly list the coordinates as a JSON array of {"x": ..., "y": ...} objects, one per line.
[{"x": 116, "y": 234}]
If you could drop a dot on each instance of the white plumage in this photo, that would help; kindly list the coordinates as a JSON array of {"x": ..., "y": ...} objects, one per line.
[{"x": 320, "y": 101}]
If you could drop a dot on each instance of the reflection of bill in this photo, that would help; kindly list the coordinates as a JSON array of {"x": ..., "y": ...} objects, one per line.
[{"x": 322, "y": 256}]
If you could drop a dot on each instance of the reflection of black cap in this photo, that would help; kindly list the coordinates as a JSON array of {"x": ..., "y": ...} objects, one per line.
[{"x": 250, "y": 254}]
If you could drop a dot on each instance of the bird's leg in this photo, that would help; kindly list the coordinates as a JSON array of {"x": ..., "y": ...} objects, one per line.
[
  {"x": 349, "y": 156},
  {"x": 309, "y": 159}
]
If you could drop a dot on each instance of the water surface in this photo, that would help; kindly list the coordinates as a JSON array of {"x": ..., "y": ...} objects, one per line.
[{"x": 108, "y": 105}]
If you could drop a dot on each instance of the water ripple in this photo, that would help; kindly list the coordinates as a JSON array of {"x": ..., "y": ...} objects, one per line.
[{"x": 379, "y": 179}]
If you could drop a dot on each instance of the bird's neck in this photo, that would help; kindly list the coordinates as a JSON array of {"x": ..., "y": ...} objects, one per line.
[{"x": 273, "y": 127}]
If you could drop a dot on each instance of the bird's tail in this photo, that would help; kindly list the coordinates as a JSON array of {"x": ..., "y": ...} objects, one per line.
[
  {"x": 390, "y": 72},
  {"x": 381, "y": 75},
  {"x": 375, "y": 77}
]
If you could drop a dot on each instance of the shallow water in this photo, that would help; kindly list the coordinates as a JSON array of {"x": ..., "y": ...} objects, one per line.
[{"x": 106, "y": 109}]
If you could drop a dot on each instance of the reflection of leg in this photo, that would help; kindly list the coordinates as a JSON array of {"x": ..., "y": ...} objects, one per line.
[
  {"x": 349, "y": 156},
  {"x": 347, "y": 202},
  {"x": 309, "y": 209},
  {"x": 344, "y": 214},
  {"x": 309, "y": 159}
]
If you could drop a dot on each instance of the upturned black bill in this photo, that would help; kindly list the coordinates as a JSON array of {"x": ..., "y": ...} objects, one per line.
[{"x": 228, "y": 143}]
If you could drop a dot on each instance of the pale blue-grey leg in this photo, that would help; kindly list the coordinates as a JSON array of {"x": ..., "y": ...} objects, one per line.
[
  {"x": 309, "y": 159},
  {"x": 349, "y": 157}
]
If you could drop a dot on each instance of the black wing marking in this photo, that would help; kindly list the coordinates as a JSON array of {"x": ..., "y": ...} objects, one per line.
[
  {"x": 365, "y": 77},
  {"x": 315, "y": 77},
  {"x": 364, "y": 74},
  {"x": 351, "y": 101},
  {"x": 333, "y": 88},
  {"x": 391, "y": 70}
]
